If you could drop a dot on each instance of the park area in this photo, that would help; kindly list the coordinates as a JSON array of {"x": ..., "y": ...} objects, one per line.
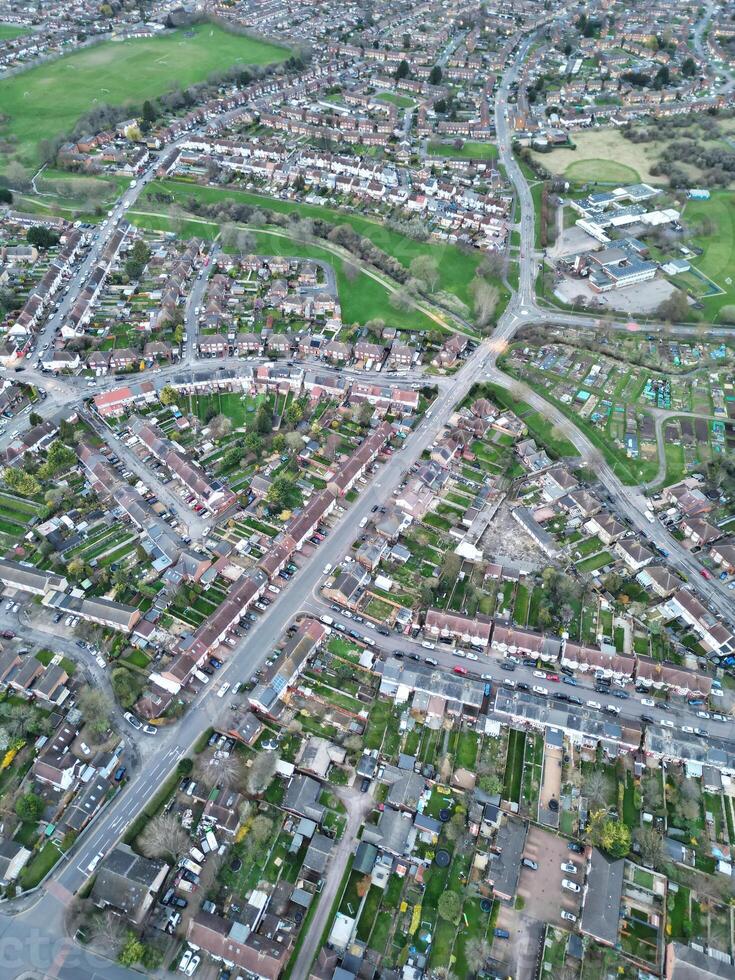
[
  {"x": 457, "y": 268},
  {"x": 47, "y": 100}
]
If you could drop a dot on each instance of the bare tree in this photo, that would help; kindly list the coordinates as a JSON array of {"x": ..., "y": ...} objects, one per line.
[
  {"x": 163, "y": 837},
  {"x": 220, "y": 426},
  {"x": 261, "y": 772},
  {"x": 214, "y": 768},
  {"x": 106, "y": 931},
  {"x": 485, "y": 297},
  {"x": 477, "y": 951},
  {"x": 596, "y": 789},
  {"x": 425, "y": 268}
]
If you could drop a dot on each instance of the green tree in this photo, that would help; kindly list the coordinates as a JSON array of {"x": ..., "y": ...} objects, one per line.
[
  {"x": 403, "y": 70},
  {"x": 126, "y": 686},
  {"x": 435, "y": 75},
  {"x": 253, "y": 443},
  {"x": 168, "y": 396},
  {"x": 35, "y": 419},
  {"x": 294, "y": 413},
  {"x": 263, "y": 420},
  {"x": 42, "y": 237},
  {"x": 96, "y": 709},
  {"x": 29, "y": 807},
  {"x": 132, "y": 951},
  {"x": 22, "y": 482},
  {"x": 450, "y": 907},
  {"x": 610, "y": 835}
]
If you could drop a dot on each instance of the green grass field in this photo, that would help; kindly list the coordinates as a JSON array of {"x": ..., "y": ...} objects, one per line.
[
  {"x": 606, "y": 171},
  {"x": 718, "y": 260},
  {"x": 471, "y": 150},
  {"x": 48, "y": 100},
  {"x": 401, "y": 101},
  {"x": 10, "y": 31},
  {"x": 456, "y": 267}
]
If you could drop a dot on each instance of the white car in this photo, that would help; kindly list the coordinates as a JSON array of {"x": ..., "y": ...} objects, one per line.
[
  {"x": 688, "y": 729},
  {"x": 570, "y": 886},
  {"x": 223, "y": 690},
  {"x": 568, "y": 916},
  {"x": 541, "y": 691},
  {"x": 649, "y": 702},
  {"x": 185, "y": 960},
  {"x": 594, "y": 704},
  {"x": 95, "y": 861},
  {"x": 191, "y": 968},
  {"x": 569, "y": 868},
  {"x": 363, "y": 522},
  {"x": 327, "y": 569},
  {"x": 540, "y": 673},
  {"x": 472, "y": 656},
  {"x": 666, "y": 723}
]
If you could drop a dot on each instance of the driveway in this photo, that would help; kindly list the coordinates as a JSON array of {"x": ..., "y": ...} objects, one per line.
[
  {"x": 519, "y": 953},
  {"x": 358, "y": 806},
  {"x": 541, "y": 890}
]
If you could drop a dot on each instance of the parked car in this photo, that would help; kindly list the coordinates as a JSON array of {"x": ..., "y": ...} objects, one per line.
[
  {"x": 528, "y": 863},
  {"x": 569, "y": 867},
  {"x": 132, "y": 720},
  {"x": 570, "y": 886},
  {"x": 576, "y": 847},
  {"x": 568, "y": 916}
]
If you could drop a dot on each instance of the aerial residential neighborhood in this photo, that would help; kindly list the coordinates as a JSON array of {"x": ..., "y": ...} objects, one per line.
[{"x": 367, "y": 490}]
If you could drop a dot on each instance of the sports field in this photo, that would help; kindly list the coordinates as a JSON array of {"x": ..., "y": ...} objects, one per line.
[
  {"x": 45, "y": 101},
  {"x": 456, "y": 267},
  {"x": 470, "y": 150},
  {"x": 604, "y": 155},
  {"x": 10, "y": 31},
  {"x": 718, "y": 258}
]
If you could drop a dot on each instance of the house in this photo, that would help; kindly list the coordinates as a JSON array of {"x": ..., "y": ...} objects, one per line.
[
  {"x": 659, "y": 579},
  {"x": 689, "y": 499},
  {"x": 128, "y": 883},
  {"x": 466, "y": 629},
  {"x": 699, "y": 531},
  {"x": 724, "y": 555},
  {"x": 605, "y": 526},
  {"x": 505, "y": 858},
  {"x": 602, "y": 896},
  {"x": 391, "y": 833},
  {"x": 317, "y": 755},
  {"x": 236, "y": 945},
  {"x": 693, "y": 963},
  {"x": 635, "y": 555},
  {"x": 302, "y": 797}
]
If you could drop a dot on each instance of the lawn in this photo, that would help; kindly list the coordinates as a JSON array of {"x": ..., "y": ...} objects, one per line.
[
  {"x": 470, "y": 150},
  {"x": 718, "y": 258},
  {"x": 601, "y": 171},
  {"x": 456, "y": 267},
  {"x": 46, "y": 101},
  {"x": 10, "y": 31},
  {"x": 514, "y": 766},
  {"x": 594, "y": 562},
  {"x": 401, "y": 101}
]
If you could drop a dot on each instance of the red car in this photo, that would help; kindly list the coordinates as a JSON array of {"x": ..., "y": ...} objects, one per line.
[
  {"x": 705, "y": 574},
  {"x": 460, "y": 670},
  {"x": 552, "y": 677}
]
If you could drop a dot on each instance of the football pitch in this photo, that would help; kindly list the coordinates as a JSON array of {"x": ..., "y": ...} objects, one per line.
[{"x": 48, "y": 100}]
